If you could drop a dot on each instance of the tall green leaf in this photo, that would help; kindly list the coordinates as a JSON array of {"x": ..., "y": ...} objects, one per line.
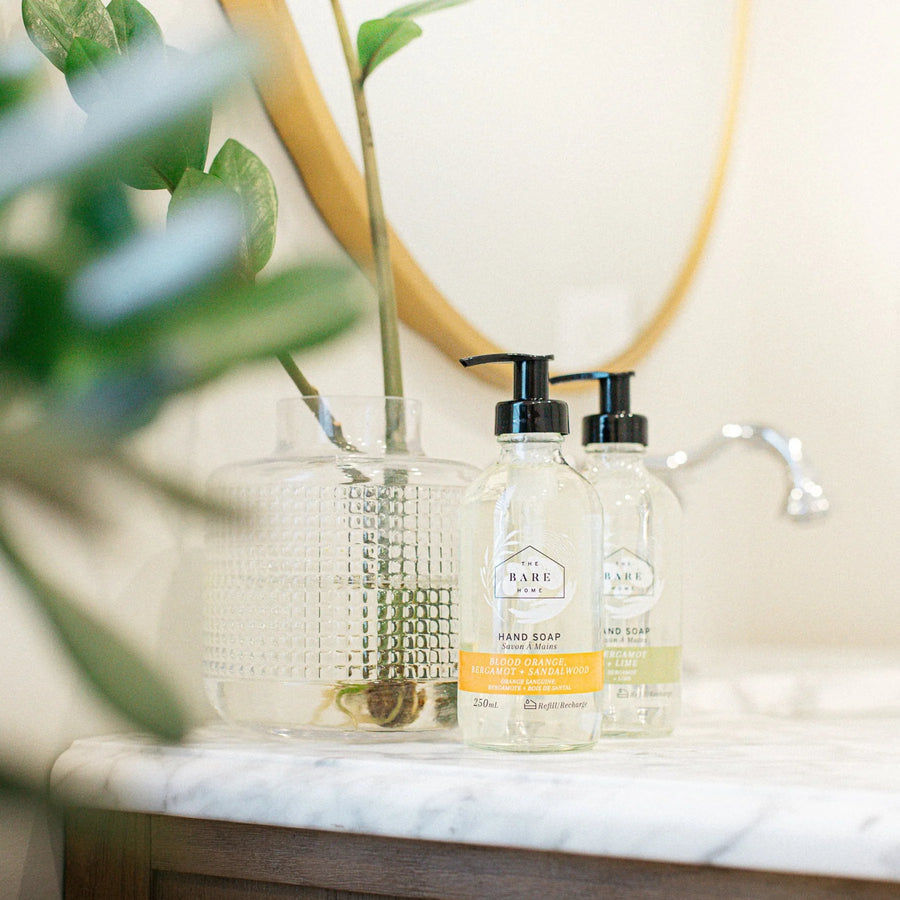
[
  {"x": 379, "y": 39},
  {"x": 52, "y": 25},
  {"x": 244, "y": 172}
]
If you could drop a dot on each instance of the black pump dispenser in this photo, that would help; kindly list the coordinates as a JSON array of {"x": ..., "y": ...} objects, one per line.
[
  {"x": 615, "y": 423},
  {"x": 531, "y": 410}
]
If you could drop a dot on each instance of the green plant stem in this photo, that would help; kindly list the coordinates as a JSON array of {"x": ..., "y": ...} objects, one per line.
[
  {"x": 317, "y": 406},
  {"x": 384, "y": 276},
  {"x": 388, "y": 667}
]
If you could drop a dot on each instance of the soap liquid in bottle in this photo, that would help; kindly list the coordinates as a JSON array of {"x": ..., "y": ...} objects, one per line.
[
  {"x": 531, "y": 664},
  {"x": 641, "y": 567}
]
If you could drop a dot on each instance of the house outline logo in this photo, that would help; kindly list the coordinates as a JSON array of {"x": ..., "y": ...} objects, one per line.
[
  {"x": 530, "y": 574},
  {"x": 625, "y": 574}
]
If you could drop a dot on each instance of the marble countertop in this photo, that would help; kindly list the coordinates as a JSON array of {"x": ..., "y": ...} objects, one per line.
[{"x": 794, "y": 770}]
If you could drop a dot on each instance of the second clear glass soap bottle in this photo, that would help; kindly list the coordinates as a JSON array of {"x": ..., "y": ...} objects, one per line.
[{"x": 641, "y": 566}]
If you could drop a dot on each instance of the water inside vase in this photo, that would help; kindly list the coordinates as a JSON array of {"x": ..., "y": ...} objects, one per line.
[{"x": 336, "y": 608}]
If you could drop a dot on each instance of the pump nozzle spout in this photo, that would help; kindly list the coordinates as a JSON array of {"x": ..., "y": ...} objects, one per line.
[
  {"x": 615, "y": 423},
  {"x": 531, "y": 374},
  {"x": 531, "y": 409}
]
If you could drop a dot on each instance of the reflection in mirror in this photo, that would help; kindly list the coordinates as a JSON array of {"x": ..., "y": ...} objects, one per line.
[{"x": 552, "y": 167}]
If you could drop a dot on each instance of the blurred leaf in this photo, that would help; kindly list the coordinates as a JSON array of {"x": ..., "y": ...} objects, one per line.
[
  {"x": 112, "y": 397},
  {"x": 111, "y": 322},
  {"x": 100, "y": 209},
  {"x": 246, "y": 174},
  {"x": 155, "y": 273},
  {"x": 18, "y": 77},
  {"x": 49, "y": 466},
  {"x": 34, "y": 151},
  {"x": 134, "y": 371},
  {"x": 13, "y": 784},
  {"x": 56, "y": 461},
  {"x": 52, "y": 25},
  {"x": 84, "y": 68},
  {"x": 34, "y": 322},
  {"x": 134, "y": 25},
  {"x": 120, "y": 377},
  {"x": 295, "y": 309},
  {"x": 165, "y": 156},
  {"x": 168, "y": 155},
  {"x": 116, "y": 671},
  {"x": 181, "y": 495},
  {"x": 16, "y": 784},
  {"x": 379, "y": 39}
]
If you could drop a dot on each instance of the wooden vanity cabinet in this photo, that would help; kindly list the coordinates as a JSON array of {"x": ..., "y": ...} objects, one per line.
[{"x": 138, "y": 856}]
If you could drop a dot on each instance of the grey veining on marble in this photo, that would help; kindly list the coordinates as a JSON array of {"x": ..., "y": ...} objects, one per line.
[{"x": 818, "y": 794}]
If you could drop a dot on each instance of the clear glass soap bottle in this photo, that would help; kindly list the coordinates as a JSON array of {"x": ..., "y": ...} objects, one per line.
[
  {"x": 530, "y": 661},
  {"x": 641, "y": 566}
]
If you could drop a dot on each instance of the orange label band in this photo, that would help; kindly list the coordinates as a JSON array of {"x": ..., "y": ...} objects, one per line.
[{"x": 530, "y": 673}]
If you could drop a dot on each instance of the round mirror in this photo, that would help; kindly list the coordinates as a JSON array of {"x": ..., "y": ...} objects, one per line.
[{"x": 551, "y": 169}]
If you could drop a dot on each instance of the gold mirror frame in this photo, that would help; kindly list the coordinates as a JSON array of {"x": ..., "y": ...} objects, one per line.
[{"x": 303, "y": 121}]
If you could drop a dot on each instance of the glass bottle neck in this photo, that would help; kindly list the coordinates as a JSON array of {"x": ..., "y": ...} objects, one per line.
[
  {"x": 534, "y": 447},
  {"x": 630, "y": 449},
  {"x": 616, "y": 454}
]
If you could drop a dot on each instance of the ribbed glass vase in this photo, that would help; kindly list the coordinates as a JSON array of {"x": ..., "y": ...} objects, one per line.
[{"x": 331, "y": 602}]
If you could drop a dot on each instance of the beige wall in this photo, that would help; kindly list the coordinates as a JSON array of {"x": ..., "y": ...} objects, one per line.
[{"x": 793, "y": 321}]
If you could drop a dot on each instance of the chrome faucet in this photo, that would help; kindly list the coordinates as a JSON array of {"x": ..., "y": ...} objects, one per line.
[{"x": 805, "y": 501}]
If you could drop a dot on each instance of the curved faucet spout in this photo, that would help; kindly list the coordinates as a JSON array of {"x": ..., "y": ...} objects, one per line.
[{"x": 806, "y": 499}]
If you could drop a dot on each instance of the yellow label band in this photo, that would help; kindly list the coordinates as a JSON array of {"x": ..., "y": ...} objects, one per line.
[
  {"x": 643, "y": 665},
  {"x": 530, "y": 673}
]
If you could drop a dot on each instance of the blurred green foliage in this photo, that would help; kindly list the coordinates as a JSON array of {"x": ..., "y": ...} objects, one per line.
[{"x": 103, "y": 318}]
